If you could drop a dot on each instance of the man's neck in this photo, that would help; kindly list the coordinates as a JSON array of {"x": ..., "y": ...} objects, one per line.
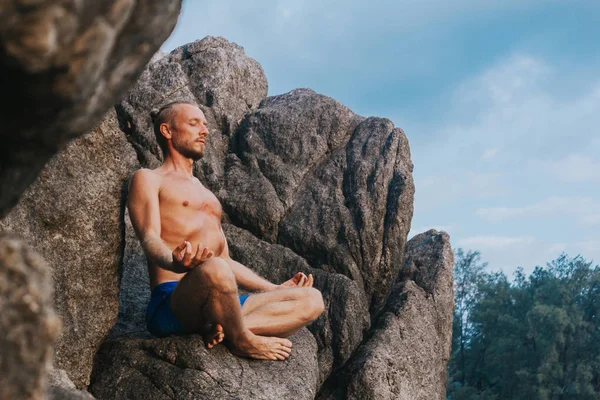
[{"x": 179, "y": 163}]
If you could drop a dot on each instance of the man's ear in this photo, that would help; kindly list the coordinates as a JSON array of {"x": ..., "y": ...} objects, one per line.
[{"x": 165, "y": 130}]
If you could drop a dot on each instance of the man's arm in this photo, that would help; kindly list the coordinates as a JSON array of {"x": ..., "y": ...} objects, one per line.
[
  {"x": 144, "y": 211},
  {"x": 248, "y": 280},
  {"x": 245, "y": 277}
]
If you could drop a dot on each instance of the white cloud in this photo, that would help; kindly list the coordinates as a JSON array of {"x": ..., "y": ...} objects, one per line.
[
  {"x": 551, "y": 206},
  {"x": 516, "y": 106},
  {"x": 494, "y": 242},
  {"x": 489, "y": 153},
  {"x": 590, "y": 220},
  {"x": 575, "y": 168},
  {"x": 506, "y": 253}
]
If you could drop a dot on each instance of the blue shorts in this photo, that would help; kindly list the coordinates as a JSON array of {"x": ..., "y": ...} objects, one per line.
[{"x": 160, "y": 320}]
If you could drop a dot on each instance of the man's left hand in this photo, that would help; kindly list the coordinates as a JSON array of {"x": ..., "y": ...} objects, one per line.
[{"x": 299, "y": 280}]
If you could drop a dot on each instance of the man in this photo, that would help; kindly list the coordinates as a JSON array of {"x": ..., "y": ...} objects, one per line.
[{"x": 194, "y": 281}]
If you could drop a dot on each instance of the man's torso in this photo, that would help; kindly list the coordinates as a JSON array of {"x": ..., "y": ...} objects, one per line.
[{"x": 188, "y": 211}]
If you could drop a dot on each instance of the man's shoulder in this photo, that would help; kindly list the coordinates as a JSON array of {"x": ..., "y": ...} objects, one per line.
[
  {"x": 145, "y": 173},
  {"x": 144, "y": 178}
]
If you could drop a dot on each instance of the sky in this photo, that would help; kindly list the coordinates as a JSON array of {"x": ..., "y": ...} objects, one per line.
[{"x": 499, "y": 100}]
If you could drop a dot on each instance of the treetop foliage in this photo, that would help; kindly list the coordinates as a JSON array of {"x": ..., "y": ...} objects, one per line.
[{"x": 535, "y": 337}]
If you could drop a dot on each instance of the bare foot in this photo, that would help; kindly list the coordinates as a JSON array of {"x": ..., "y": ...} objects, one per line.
[
  {"x": 213, "y": 335},
  {"x": 262, "y": 348}
]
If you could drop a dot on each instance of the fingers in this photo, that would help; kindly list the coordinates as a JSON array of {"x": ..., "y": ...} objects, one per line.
[
  {"x": 304, "y": 281},
  {"x": 310, "y": 280},
  {"x": 297, "y": 278},
  {"x": 187, "y": 257},
  {"x": 178, "y": 252},
  {"x": 201, "y": 254},
  {"x": 206, "y": 254}
]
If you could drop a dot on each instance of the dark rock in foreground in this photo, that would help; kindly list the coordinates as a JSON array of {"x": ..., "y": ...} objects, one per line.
[
  {"x": 64, "y": 64},
  {"x": 180, "y": 367},
  {"x": 28, "y": 324}
]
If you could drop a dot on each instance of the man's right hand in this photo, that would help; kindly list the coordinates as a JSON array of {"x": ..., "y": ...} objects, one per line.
[{"x": 183, "y": 256}]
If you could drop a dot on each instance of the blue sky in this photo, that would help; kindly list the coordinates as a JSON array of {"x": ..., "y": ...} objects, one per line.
[{"x": 500, "y": 102}]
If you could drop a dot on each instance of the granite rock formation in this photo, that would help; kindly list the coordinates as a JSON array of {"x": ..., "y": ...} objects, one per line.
[
  {"x": 407, "y": 350},
  {"x": 180, "y": 367},
  {"x": 64, "y": 64}
]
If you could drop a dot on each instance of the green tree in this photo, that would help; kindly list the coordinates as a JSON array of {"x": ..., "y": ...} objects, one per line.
[
  {"x": 468, "y": 275},
  {"x": 537, "y": 337}
]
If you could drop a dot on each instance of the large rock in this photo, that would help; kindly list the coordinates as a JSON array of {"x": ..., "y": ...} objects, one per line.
[
  {"x": 406, "y": 354},
  {"x": 28, "y": 325},
  {"x": 180, "y": 367},
  {"x": 64, "y": 64},
  {"x": 334, "y": 187},
  {"x": 72, "y": 216}
]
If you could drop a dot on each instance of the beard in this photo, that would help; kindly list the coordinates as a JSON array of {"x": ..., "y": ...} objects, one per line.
[{"x": 187, "y": 150}]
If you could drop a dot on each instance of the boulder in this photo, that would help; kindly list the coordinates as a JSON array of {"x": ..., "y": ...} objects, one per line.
[
  {"x": 28, "y": 324},
  {"x": 180, "y": 367},
  {"x": 409, "y": 345},
  {"x": 72, "y": 216},
  {"x": 64, "y": 64}
]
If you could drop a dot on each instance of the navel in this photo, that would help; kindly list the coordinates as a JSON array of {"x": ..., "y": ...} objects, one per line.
[{"x": 186, "y": 203}]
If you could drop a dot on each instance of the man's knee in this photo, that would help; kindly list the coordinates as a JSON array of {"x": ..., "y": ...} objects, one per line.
[
  {"x": 215, "y": 272},
  {"x": 313, "y": 303}
]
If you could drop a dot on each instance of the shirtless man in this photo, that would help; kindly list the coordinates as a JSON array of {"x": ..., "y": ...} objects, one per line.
[{"x": 194, "y": 281}]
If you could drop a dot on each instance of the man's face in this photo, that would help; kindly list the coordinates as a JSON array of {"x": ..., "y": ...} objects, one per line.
[{"x": 189, "y": 129}]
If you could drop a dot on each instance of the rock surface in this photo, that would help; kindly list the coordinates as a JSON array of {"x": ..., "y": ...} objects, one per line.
[
  {"x": 406, "y": 354},
  {"x": 64, "y": 64},
  {"x": 28, "y": 323},
  {"x": 61, "y": 387},
  {"x": 180, "y": 367},
  {"x": 72, "y": 216}
]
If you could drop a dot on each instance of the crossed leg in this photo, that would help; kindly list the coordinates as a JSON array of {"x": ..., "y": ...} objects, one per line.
[
  {"x": 282, "y": 312},
  {"x": 208, "y": 295}
]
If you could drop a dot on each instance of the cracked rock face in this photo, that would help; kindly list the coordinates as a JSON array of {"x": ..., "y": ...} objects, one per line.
[
  {"x": 28, "y": 323},
  {"x": 64, "y": 64},
  {"x": 72, "y": 216},
  {"x": 180, "y": 367},
  {"x": 406, "y": 354}
]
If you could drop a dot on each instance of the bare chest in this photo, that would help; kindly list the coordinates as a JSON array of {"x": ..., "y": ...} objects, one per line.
[{"x": 184, "y": 198}]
